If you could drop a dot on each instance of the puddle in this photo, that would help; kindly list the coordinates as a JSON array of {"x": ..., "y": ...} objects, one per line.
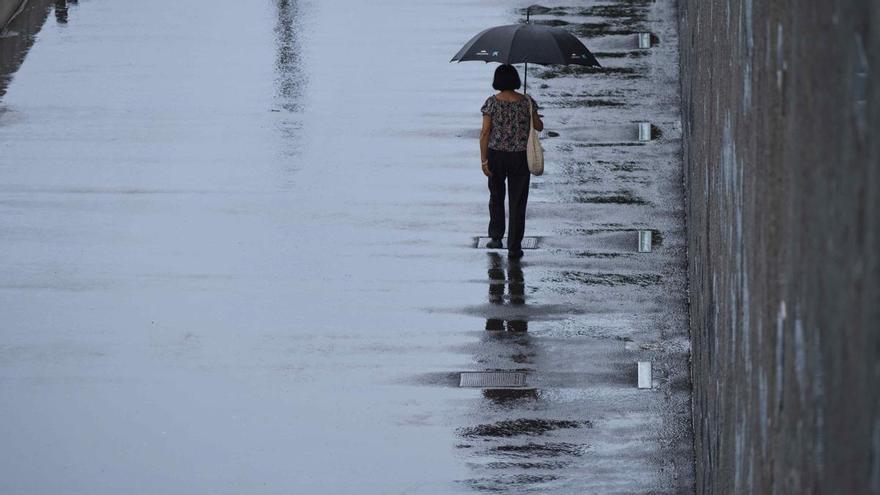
[
  {"x": 512, "y": 326},
  {"x": 527, "y": 465},
  {"x": 633, "y": 180},
  {"x": 580, "y": 181},
  {"x": 591, "y": 93},
  {"x": 576, "y": 71},
  {"x": 542, "y": 10},
  {"x": 620, "y": 197},
  {"x": 516, "y": 313},
  {"x": 656, "y": 238},
  {"x": 626, "y": 167},
  {"x": 514, "y": 279},
  {"x": 414, "y": 179},
  {"x": 511, "y": 396},
  {"x": 587, "y": 254},
  {"x": 533, "y": 450},
  {"x": 633, "y": 12},
  {"x": 527, "y": 242},
  {"x": 573, "y": 173},
  {"x": 504, "y": 483},
  {"x": 592, "y": 29},
  {"x": 625, "y": 8},
  {"x": 516, "y": 427},
  {"x": 585, "y": 103},
  {"x": 627, "y": 54},
  {"x": 549, "y": 22},
  {"x": 597, "y": 20},
  {"x": 523, "y": 358},
  {"x": 611, "y": 279},
  {"x": 656, "y": 133}
]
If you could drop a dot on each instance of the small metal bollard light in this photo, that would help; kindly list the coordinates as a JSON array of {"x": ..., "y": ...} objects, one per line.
[
  {"x": 645, "y": 380},
  {"x": 644, "y": 241},
  {"x": 644, "y": 40},
  {"x": 644, "y": 131}
]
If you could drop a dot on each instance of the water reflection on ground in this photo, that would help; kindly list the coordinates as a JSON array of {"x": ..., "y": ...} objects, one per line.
[
  {"x": 509, "y": 276},
  {"x": 244, "y": 257},
  {"x": 62, "y": 10}
]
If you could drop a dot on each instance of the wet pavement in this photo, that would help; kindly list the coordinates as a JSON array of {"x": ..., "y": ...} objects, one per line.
[{"x": 239, "y": 244}]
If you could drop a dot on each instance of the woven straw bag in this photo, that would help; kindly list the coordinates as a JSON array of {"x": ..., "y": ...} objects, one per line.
[{"x": 534, "y": 151}]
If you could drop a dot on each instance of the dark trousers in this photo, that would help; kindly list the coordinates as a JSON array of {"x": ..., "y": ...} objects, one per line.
[{"x": 513, "y": 167}]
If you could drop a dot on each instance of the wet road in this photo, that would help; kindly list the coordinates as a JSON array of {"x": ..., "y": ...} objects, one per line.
[{"x": 238, "y": 244}]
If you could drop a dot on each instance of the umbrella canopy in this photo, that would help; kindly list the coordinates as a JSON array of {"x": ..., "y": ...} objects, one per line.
[{"x": 526, "y": 43}]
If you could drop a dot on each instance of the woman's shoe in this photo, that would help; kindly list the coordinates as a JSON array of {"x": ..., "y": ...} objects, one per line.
[
  {"x": 515, "y": 254},
  {"x": 494, "y": 244}
]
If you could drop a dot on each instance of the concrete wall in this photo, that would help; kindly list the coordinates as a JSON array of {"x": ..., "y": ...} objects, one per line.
[
  {"x": 20, "y": 36},
  {"x": 781, "y": 117},
  {"x": 8, "y": 8}
]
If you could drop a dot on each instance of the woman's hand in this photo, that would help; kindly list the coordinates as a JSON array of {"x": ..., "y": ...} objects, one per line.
[
  {"x": 484, "y": 144},
  {"x": 485, "y": 167}
]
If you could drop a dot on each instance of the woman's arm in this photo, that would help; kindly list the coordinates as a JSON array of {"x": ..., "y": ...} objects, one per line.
[
  {"x": 537, "y": 123},
  {"x": 484, "y": 144}
]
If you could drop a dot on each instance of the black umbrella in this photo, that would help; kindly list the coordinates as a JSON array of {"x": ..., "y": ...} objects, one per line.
[{"x": 524, "y": 43}]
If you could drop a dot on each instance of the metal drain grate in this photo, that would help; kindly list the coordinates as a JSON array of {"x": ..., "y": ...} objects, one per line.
[
  {"x": 493, "y": 379},
  {"x": 527, "y": 242}
]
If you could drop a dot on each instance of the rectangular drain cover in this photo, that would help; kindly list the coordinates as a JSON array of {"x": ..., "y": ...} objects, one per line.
[
  {"x": 527, "y": 242},
  {"x": 493, "y": 379}
]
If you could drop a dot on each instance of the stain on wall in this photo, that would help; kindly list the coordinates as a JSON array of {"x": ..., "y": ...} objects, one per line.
[{"x": 781, "y": 113}]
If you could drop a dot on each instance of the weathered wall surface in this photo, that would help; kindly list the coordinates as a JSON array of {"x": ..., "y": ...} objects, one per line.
[
  {"x": 781, "y": 116},
  {"x": 19, "y": 37},
  {"x": 8, "y": 8}
]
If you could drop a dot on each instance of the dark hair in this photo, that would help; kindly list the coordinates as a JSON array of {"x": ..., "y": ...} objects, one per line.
[{"x": 506, "y": 78}]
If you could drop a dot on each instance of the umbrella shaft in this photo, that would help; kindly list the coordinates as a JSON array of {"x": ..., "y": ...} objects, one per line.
[{"x": 526, "y": 70}]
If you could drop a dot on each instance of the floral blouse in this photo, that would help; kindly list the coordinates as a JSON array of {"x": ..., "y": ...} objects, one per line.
[{"x": 510, "y": 123}]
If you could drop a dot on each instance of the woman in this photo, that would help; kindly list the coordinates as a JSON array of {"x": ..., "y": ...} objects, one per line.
[{"x": 503, "y": 153}]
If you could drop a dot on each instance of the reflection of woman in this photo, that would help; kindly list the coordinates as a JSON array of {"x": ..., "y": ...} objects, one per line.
[
  {"x": 515, "y": 282},
  {"x": 503, "y": 153}
]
